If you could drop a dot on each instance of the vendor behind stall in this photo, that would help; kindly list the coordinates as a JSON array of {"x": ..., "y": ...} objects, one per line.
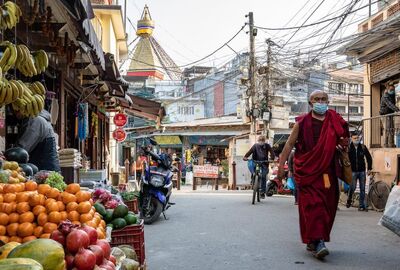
[{"x": 38, "y": 138}]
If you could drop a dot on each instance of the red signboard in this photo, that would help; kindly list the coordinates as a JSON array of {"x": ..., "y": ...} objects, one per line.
[
  {"x": 119, "y": 135},
  {"x": 120, "y": 119}
]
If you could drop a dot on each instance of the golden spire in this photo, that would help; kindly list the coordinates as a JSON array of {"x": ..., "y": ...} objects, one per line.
[{"x": 145, "y": 25}]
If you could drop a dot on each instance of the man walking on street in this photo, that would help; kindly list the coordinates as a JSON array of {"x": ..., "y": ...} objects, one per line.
[
  {"x": 259, "y": 152},
  {"x": 388, "y": 106},
  {"x": 316, "y": 135},
  {"x": 358, "y": 152}
]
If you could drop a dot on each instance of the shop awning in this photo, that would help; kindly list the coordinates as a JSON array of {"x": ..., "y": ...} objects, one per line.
[
  {"x": 82, "y": 12},
  {"x": 168, "y": 141},
  {"x": 209, "y": 140}
]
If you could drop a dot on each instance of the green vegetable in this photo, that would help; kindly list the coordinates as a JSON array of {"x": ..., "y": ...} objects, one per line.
[
  {"x": 129, "y": 195},
  {"x": 56, "y": 180}
]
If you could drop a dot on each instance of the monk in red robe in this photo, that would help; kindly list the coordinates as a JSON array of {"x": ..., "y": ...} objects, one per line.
[{"x": 316, "y": 136}]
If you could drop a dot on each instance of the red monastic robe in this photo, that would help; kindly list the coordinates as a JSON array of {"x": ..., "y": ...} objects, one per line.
[{"x": 318, "y": 200}]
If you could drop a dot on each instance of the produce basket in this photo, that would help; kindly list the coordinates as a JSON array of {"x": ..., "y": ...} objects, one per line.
[
  {"x": 132, "y": 205},
  {"x": 132, "y": 235}
]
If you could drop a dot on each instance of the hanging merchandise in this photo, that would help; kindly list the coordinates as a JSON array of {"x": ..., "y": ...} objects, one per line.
[
  {"x": 95, "y": 125},
  {"x": 83, "y": 121},
  {"x": 54, "y": 111}
]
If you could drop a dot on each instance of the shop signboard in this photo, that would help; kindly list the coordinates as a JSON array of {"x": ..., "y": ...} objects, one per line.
[
  {"x": 120, "y": 119},
  {"x": 119, "y": 135},
  {"x": 206, "y": 171}
]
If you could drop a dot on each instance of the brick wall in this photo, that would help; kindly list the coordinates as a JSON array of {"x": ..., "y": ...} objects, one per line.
[{"x": 219, "y": 99}]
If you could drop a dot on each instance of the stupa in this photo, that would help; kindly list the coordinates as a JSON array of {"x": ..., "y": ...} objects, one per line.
[{"x": 150, "y": 60}]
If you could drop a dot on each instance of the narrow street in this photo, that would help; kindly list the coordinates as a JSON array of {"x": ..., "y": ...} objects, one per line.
[{"x": 209, "y": 230}]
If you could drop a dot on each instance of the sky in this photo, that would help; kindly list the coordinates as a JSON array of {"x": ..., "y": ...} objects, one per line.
[{"x": 189, "y": 30}]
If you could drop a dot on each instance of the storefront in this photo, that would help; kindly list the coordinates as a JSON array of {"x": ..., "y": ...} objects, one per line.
[{"x": 379, "y": 51}]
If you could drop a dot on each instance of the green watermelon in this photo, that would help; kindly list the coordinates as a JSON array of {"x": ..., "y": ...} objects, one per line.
[
  {"x": 109, "y": 215},
  {"x": 130, "y": 219},
  {"x": 100, "y": 209},
  {"x": 120, "y": 211},
  {"x": 118, "y": 223}
]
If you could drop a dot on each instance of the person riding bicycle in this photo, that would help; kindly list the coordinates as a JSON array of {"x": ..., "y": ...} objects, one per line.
[{"x": 259, "y": 152}]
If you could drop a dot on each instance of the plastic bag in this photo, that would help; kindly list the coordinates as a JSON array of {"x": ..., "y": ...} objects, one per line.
[
  {"x": 391, "y": 216},
  {"x": 290, "y": 183},
  {"x": 251, "y": 165}
]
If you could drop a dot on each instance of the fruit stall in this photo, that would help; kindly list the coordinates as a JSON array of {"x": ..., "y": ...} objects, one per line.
[{"x": 46, "y": 224}]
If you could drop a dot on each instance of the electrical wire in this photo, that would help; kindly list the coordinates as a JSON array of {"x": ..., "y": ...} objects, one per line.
[{"x": 321, "y": 21}]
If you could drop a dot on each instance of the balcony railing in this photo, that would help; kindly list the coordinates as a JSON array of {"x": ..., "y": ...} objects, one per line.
[{"x": 383, "y": 131}]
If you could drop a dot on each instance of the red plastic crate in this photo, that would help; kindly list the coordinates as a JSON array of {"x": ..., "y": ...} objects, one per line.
[
  {"x": 132, "y": 235},
  {"x": 132, "y": 206}
]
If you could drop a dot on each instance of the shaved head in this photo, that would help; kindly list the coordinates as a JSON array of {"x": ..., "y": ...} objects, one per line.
[{"x": 318, "y": 94}]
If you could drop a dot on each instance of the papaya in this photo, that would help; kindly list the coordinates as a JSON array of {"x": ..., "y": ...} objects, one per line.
[
  {"x": 6, "y": 249},
  {"x": 49, "y": 253},
  {"x": 20, "y": 264}
]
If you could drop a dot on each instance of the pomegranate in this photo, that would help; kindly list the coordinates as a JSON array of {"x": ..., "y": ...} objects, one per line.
[
  {"x": 76, "y": 240},
  {"x": 105, "y": 246},
  {"x": 92, "y": 233},
  {"x": 85, "y": 259},
  {"x": 98, "y": 252},
  {"x": 66, "y": 227},
  {"x": 69, "y": 260},
  {"x": 113, "y": 260},
  {"x": 107, "y": 265},
  {"x": 58, "y": 236}
]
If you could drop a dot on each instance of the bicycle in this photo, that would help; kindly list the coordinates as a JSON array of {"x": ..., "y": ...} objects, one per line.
[
  {"x": 256, "y": 180},
  {"x": 378, "y": 193},
  {"x": 376, "y": 197}
]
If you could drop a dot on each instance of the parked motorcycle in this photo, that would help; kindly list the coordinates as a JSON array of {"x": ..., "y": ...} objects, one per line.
[
  {"x": 155, "y": 187},
  {"x": 277, "y": 186}
]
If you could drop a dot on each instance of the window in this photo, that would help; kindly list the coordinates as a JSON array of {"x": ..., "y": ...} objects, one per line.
[
  {"x": 353, "y": 109},
  {"x": 339, "y": 87},
  {"x": 186, "y": 110},
  {"x": 339, "y": 109}
]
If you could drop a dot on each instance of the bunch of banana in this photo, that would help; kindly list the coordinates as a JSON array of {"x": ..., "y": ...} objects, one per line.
[
  {"x": 9, "y": 56},
  {"x": 10, "y": 91},
  {"x": 41, "y": 60},
  {"x": 31, "y": 102},
  {"x": 26, "y": 62},
  {"x": 10, "y": 14}
]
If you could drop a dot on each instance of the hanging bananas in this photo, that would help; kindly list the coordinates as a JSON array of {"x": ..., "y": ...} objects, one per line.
[
  {"x": 31, "y": 102},
  {"x": 41, "y": 60},
  {"x": 9, "y": 56},
  {"x": 10, "y": 14},
  {"x": 10, "y": 91}
]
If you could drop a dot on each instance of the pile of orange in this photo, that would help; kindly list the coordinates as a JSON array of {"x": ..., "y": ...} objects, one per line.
[{"x": 29, "y": 211}]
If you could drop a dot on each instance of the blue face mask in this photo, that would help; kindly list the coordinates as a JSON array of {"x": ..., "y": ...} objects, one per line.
[
  {"x": 320, "y": 108},
  {"x": 391, "y": 92},
  {"x": 356, "y": 142}
]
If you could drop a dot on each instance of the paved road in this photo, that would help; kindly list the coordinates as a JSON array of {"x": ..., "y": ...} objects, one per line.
[{"x": 224, "y": 231}]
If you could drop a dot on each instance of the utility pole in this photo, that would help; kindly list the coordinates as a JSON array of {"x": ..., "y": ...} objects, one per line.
[
  {"x": 370, "y": 8},
  {"x": 268, "y": 84},
  {"x": 252, "y": 74}
]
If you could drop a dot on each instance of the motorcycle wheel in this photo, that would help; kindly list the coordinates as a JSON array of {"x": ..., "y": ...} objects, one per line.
[{"x": 153, "y": 213}]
